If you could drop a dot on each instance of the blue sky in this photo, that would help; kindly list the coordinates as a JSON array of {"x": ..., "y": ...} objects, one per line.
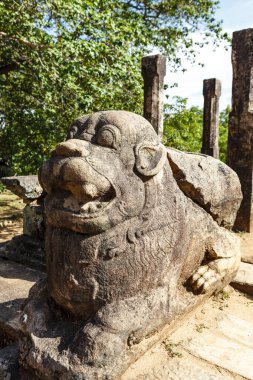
[{"x": 236, "y": 15}]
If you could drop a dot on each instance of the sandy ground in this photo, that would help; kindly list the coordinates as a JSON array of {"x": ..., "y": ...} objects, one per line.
[
  {"x": 11, "y": 208},
  {"x": 215, "y": 343}
]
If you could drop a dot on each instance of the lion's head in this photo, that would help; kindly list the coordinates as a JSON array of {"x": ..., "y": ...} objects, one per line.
[{"x": 96, "y": 179}]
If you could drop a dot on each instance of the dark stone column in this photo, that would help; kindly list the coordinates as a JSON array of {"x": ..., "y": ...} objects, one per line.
[
  {"x": 210, "y": 139},
  {"x": 240, "y": 153},
  {"x": 153, "y": 72}
]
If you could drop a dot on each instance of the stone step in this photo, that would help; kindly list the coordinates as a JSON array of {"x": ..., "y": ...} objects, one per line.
[
  {"x": 244, "y": 279},
  {"x": 15, "y": 283},
  {"x": 216, "y": 343},
  {"x": 247, "y": 247},
  {"x": 24, "y": 250}
]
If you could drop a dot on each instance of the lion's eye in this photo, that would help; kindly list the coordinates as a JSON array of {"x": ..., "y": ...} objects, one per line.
[
  {"x": 108, "y": 136},
  {"x": 105, "y": 138}
]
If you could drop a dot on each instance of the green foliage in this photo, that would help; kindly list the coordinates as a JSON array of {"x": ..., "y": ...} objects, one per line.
[
  {"x": 183, "y": 126},
  {"x": 200, "y": 327},
  {"x": 73, "y": 57},
  {"x": 223, "y": 133},
  {"x": 173, "y": 348}
]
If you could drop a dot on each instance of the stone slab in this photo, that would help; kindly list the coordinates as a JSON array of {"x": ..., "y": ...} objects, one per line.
[
  {"x": 24, "y": 250},
  {"x": 15, "y": 283},
  {"x": 220, "y": 350},
  {"x": 247, "y": 247},
  {"x": 158, "y": 365},
  {"x": 194, "y": 174},
  {"x": 25, "y": 187},
  {"x": 244, "y": 279},
  {"x": 216, "y": 343}
]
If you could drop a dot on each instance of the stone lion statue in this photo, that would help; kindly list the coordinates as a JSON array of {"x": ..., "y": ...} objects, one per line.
[{"x": 136, "y": 236}]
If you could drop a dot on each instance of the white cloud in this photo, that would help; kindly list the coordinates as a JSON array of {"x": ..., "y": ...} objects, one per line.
[
  {"x": 190, "y": 83},
  {"x": 237, "y": 15}
]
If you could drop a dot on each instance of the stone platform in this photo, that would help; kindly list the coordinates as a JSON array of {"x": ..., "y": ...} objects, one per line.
[
  {"x": 15, "y": 283},
  {"x": 216, "y": 343},
  {"x": 247, "y": 247}
]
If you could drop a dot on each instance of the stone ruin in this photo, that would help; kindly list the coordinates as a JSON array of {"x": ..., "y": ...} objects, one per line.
[
  {"x": 27, "y": 248},
  {"x": 137, "y": 235},
  {"x": 240, "y": 135},
  {"x": 210, "y": 138}
]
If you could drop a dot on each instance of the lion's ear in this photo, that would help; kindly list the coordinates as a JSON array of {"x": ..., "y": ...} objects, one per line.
[{"x": 150, "y": 159}]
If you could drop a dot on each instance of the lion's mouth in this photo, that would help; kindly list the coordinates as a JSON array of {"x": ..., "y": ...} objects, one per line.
[
  {"x": 94, "y": 207},
  {"x": 65, "y": 201}
]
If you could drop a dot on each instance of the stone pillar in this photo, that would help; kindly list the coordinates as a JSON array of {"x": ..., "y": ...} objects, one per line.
[
  {"x": 153, "y": 72},
  {"x": 240, "y": 135},
  {"x": 210, "y": 139}
]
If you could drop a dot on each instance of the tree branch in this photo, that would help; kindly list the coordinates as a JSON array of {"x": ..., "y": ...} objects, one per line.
[
  {"x": 7, "y": 68},
  {"x": 24, "y": 42}
]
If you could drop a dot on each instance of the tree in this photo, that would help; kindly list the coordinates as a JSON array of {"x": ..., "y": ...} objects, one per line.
[
  {"x": 183, "y": 126},
  {"x": 63, "y": 58},
  {"x": 223, "y": 133}
]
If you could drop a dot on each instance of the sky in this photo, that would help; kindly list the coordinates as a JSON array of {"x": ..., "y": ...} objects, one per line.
[{"x": 236, "y": 15}]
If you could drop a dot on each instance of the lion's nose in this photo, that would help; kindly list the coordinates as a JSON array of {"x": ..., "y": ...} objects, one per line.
[{"x": 72, "y": 148}]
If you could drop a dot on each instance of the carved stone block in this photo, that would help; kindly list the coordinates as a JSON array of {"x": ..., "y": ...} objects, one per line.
[
  {"x": 33, "y": 221},
  {"x": 26, "y": 187},
  {"x": 127, "y": 251}
]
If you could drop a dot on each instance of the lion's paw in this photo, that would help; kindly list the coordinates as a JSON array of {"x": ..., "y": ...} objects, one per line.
[
  {"x": 204, "y": 279},
  {"x": 94, "y": 344}
]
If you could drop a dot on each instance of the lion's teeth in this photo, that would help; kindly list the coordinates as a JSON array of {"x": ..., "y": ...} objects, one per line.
[
  {"x": 84, "y": 207},
  {"x": 92, "y": 208}
]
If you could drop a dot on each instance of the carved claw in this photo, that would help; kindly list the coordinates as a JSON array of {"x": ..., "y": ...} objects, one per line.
[{"x": 204, "y": 279}]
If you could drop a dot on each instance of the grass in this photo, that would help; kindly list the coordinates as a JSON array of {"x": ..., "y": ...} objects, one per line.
[
  {"x": 200, "y": 327},
  {"x": 11, "y": 206},
  {"x": 172, "y": 348},
  {"x": 240, "y": 233}
]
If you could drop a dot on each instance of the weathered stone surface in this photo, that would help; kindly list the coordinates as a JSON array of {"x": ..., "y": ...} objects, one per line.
[
  {"x": 33, "y": 221},
  {"x": 159, "y": 365},
  {"x": 153, "y": 72},
  {"x": 25, "y": 250},
  {"x": 220, "y": 342},
  {"x": 209, "y": 183},
  {"x": 244, "y": 278},
  {"x": 247, "y": 247},
  {"x": 215, "y": 343},
  {"x": 124, "y": 248},
  {"x": 9, "y": 368},
  {"x": 15, "y": 283},
  {"x": 210, "y": 139},
  {"x": 26, "y": 187},
  {"x": 240, "y": 136}
]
